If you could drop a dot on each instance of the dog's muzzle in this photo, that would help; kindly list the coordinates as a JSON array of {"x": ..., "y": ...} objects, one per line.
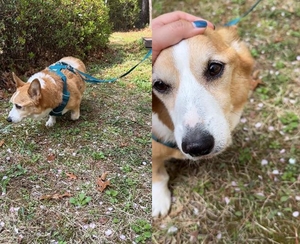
[
  {"x": 198, "y": 143},
  {"x": 9, "y": 119}
]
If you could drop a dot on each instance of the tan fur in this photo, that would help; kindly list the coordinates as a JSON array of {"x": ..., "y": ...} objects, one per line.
[
  {"x": 231, "y": 96},
  {"x": 36, "y": 97}
]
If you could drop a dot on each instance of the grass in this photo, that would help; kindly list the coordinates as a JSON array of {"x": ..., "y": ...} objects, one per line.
[
  {"x": 250, "y": 193},
  {"x": 64, "y": 162}
]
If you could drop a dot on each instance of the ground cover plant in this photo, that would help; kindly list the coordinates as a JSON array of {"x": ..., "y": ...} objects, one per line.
[
  {"x": 54, "y": 181},
  {"x": 250, "y": 193}
]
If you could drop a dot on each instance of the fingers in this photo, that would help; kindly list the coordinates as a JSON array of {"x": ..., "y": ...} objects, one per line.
[
  {"x": 169, "y": 29},
  {"x": 169, "y": 34},
  {"x": 174, "y": 16}
]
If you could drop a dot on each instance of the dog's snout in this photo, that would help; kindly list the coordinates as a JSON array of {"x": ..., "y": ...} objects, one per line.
[
  {"x": 9, "y": 119},
  {"x": 198, "y": 143}
]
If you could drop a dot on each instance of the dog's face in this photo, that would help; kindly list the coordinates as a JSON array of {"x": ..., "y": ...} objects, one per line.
[
  {"x": 26, "y": 101},
  {"x": 200, "y": 87}
]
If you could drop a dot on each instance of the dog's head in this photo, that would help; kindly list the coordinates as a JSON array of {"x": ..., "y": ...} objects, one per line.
[
  {"x": 200, "y": 87},
  {"x": 26, "y": 101}
]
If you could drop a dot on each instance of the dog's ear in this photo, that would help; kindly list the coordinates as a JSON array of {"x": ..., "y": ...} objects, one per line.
[
  {"x": 17, "y": 80},
  {"x": 231, "y": 37},
  {"x": 34, "y": 90}
]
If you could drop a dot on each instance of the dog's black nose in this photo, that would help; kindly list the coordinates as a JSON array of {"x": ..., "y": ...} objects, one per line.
[
  {"x": 198, "y": 143},
  {"x": 9, "y": 119}
]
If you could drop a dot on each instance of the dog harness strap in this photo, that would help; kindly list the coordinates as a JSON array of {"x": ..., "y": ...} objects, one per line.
[
  {"x": 167, "y": 144},
  {"x": 66, "y": 94}
]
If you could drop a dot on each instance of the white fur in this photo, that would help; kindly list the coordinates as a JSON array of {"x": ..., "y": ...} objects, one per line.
[
  {"x": 41, "y": 76},
  {"x": 16, "y": 115},
  {"x": 161, "y": 198},
  {"x": 51, "y": 121},
  {"x": 161, "y": 130},
  {"x": 71, "y": 62},
  {"x": 194, "y": 104}
]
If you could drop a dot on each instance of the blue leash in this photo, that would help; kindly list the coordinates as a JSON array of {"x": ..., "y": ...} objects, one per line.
[
  {"x": 92, "y": 79},
  {"x": 237, "y": 20},
  {"x": 59, "y": 66}
]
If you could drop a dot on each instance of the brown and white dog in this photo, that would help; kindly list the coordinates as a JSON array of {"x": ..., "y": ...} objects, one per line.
[
  {"x": 200, "y": 87},
  {"x": 43, "y": 92}
]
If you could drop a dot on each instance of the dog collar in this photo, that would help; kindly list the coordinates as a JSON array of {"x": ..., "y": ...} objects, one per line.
[
  {"x": 167, "y": 144},
  {"x": 56, "y": 68}
]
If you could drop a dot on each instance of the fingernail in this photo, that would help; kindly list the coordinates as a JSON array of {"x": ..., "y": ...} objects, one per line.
[{"x": 200, "y": 23}]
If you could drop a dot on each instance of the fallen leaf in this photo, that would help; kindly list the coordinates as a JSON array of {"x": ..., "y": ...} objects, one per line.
[
  {"x": 194, "y": 236},
  {"x": 71, "y": 176},
  {"x": 102, "y": 183},
  {"x": 1, "y": 143},
  {"x": 50, "y": 157},
  {"x": 278, "y": 39},
  {"x": 104, "y": 175},
  {"x": 55, "y": 196},
  {"x": 103, "y": 220},
  {"x": 124, "y": 144}
]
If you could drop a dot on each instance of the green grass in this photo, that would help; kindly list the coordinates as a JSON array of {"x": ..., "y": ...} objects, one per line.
[
  {"x": 250, "y": 193},
  {"x": 111, "y": 135}
]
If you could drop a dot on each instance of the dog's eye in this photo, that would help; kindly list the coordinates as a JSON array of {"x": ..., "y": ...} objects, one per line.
[
  {"x": 18, "y": 106},
  {"x": 214, "y": 69},
  {"x": 160, "y": 86}
]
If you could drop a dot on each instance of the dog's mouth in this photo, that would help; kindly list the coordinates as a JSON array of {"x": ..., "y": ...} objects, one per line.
[{"x": 209, "y": 155}]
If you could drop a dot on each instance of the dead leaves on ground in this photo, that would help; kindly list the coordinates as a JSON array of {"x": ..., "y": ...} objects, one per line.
[
  {"x": 50, "y": 157},
  {"x": 71, "y": 176},
  {"x": 1, "y": 143},
  {"x": 55, "y": 196},
  {"x": 102, "y": 182}
]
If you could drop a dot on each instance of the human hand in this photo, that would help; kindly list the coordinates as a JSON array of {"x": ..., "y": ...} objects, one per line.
[{"x": 169, "y": 29}]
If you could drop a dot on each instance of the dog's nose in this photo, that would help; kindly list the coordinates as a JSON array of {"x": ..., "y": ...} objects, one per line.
[
  {"x": 9, "y": 119},
  {"x": 198, "y": 143}
]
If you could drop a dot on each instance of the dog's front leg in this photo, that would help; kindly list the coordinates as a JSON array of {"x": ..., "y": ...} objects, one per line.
[
  {"x": 51, "y": 121},
  {"x": 161, "y": 195}
]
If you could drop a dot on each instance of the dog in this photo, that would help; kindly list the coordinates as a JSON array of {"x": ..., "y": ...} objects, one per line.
[
  {"x": 199, "y": 89},
  {"x": 44, "y": 93}
]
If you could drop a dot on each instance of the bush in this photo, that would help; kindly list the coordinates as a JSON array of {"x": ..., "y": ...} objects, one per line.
[
  {"x": 123, "y": 14},
  {"x": 34, "y": 30}
]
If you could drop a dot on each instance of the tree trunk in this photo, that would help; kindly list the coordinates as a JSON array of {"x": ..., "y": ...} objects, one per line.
[{"x": 144, "y": 14}]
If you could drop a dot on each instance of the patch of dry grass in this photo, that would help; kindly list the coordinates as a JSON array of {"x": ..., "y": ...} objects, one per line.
[{"x": 250, "y": 193}]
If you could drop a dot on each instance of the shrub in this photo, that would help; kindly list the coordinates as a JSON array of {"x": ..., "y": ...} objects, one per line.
[
  {"x": 34, "y": 30},
  {"x": 123, "y": 14}
]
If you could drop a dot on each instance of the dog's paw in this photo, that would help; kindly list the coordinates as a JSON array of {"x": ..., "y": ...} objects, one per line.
[
  {"x": 75, "y": 115},
  {"x": 161, "y": 199},
  {"x": 51, "y": 121}
]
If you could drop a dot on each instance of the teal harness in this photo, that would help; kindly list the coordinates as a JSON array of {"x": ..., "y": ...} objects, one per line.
[
  {"x": 167, "y": 144},
  {"x": 56, "y": 68},
  {"x": 59, "y": 66}
]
